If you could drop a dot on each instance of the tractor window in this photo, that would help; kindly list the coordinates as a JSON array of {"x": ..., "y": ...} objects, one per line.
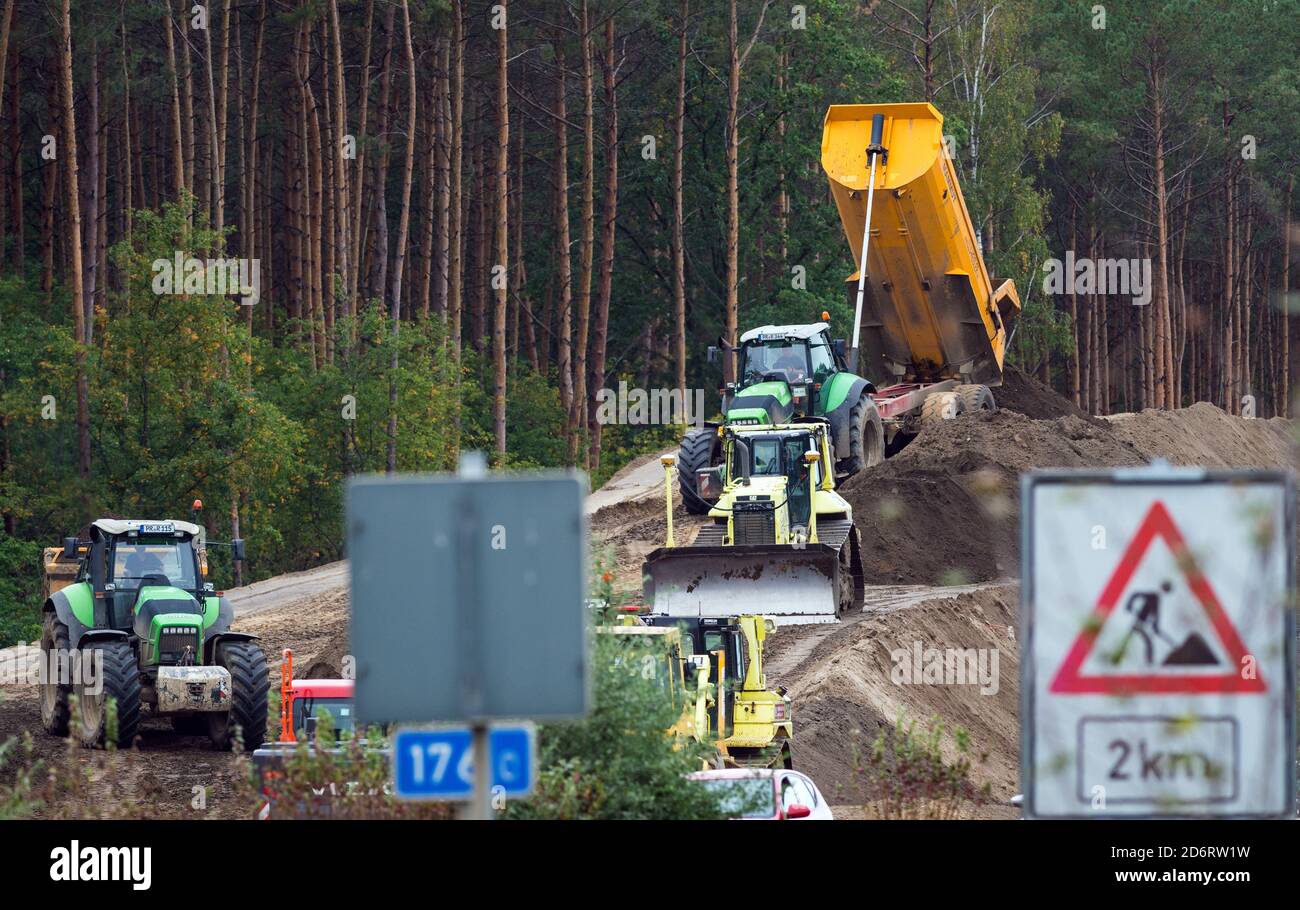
[
  {"x": 134, "y": 559},
  {"x": 797, "y": 478},
  {"x": 823, "y": 361},
  {"x": 340, "y": 709},
  {"x": 733, "y": 647},
  {"x": 767, "y": 456},
  {"x": 789, "y": 358}
]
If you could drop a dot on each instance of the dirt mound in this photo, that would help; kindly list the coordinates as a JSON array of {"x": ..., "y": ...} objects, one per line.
[
  {"x": 1206, "y": 436},
  {"x": 1023, "y": 394},
  {"x": 945, "y": 509},
  {"x": 851, "y": 689}
]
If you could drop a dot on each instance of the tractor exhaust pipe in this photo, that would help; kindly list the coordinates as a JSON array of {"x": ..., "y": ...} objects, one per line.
[{"x": 875, "y": 151}]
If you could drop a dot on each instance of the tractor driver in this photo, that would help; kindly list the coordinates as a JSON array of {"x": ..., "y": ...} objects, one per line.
[
  {"x": 141, "y": 563},
  {"x": 792, "y": 364}
]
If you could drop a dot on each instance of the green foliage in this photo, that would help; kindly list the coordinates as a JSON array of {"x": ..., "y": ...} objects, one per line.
[
  {"x": 906, "y": 775},
  {"x": 20, "y": 590},
  {"x": 619, "y": 762}
]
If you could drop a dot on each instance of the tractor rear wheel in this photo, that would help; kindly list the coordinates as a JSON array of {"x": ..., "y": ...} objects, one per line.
[
  {"x": 976, "y": 397},
  {"x": 120, "y": 675},
  {"x": 694, "y": 455},
  {"x": 866, "y": 438},
  {"x": 249, "y": 682},
  {"x": 55, "y": 655}
]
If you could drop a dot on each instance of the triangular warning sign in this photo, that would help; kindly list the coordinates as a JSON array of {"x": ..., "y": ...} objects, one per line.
[{"x": 1171, "y": 677}]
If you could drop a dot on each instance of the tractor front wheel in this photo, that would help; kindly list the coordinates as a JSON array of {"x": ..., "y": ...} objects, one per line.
[
  {"x": 120, "y": 677},
  {"x": 866, "y": 438},
  {"x": 55, "y": 656},
  {"x": 695, "y": 454},
  {"x": 249, "y": 681}
]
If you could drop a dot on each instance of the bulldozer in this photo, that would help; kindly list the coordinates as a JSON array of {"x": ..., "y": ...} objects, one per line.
[
  {"x": 780, "y": 541},
  {"x": 931, "y": 326},
  {"x": 134, "y": 602},
  {"x": 713, "y": 670}
]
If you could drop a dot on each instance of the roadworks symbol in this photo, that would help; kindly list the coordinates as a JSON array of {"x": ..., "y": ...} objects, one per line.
[{"x": 1172, "y": 635}]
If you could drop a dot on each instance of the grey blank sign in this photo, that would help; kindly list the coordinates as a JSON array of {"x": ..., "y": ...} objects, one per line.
[{"x": 468, "y": 597}]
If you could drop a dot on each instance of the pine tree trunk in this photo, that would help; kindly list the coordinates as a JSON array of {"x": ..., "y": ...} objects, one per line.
[
  {"x": 586, "y": 245},
  {"x": 563, "y": 268},
  {"x": 731, "y": 149},
  {"x": 456, "y": 132},
  {"x": 357, "y": 256},
  {"x": 1285, "y": 358},
  {"x": 500, "y": 286},
  {"x": 403, "y": 231},
  {"x": 609, "y": 216},
  {"x": 679, "y": 208},
  {"x": 178, "y": 130},
  {"x": 68, "y": 154}
]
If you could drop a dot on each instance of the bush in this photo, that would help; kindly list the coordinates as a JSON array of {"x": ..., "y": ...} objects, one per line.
[
  {"x": 906, "y": 775},
  {"x": 619, "y": 762}
]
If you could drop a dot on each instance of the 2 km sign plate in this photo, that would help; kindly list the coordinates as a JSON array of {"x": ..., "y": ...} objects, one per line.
[{"x": 1158, "y": 676}]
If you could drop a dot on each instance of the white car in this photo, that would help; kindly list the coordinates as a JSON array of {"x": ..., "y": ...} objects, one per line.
[{"x": 766, "y": 793}]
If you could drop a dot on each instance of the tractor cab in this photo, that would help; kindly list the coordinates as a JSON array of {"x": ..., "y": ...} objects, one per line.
[
  {"x": 795, "y": 353},
  {"x": 303, "y": 701},
  {"x": 782, "y": 370},
  {"x": 773, "y": 465},
  {"x": 142, "y": 571}
]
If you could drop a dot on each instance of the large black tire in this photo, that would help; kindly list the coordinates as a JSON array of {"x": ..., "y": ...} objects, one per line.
[
  {"x": 249, "y": 683},
  {"x": 941, "y": 406},
  {"x": 695, "y": 454},
  {"x": 976, "y": 397},
  {"x": 54, "y": 695},
  {"x": 121, "y": 683},
  {"x": 866, "y": 438}
]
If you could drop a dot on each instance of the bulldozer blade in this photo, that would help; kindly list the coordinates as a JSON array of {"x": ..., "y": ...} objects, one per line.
[{"x": 786, "y": 584}]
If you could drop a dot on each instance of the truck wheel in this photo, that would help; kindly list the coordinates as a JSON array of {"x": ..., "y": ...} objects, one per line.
[
  {"x": 940, "y": 407},
  {"x": 866, "y": 438},
  {"x": 976, "y": 397},
  {"x": 54, "y": 693},
  {"x": 695, "y": 454},
  {"x": 121, "y": 683},
  {"x": 249, "y": 681}
]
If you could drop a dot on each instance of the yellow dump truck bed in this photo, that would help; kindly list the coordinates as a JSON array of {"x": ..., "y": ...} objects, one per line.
[
  {"x": 59, "y": 572},
  {"x": 931, "y": 311}
]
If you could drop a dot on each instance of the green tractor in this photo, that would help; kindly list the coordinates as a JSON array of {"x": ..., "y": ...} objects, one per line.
[
  {"x": 788, "y": 372},
  {"x": 138, "y": 623}
]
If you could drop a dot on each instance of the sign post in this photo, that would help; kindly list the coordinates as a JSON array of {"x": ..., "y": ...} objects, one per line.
[
  {"x": 1159, "y": 669},
  {"x": 468, "y": 605}
]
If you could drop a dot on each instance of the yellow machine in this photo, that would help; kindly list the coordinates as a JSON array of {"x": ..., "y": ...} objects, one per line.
[
  {"x": 781, "y": 541},
  {"x": 713, "y": 670},
  {"x": 927, "y": 308}
]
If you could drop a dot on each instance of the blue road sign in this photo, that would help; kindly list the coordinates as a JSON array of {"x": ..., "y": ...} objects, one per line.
[{"x": 438, "y": 764}]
